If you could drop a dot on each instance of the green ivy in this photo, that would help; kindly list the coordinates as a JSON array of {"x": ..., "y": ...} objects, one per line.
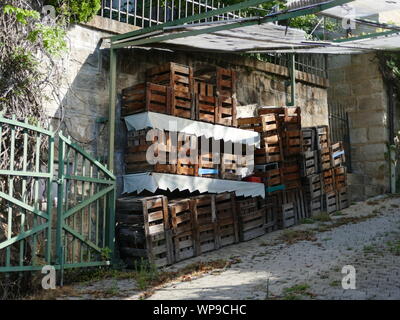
[
  {"x": 53, "y": 38},
  {"x": 76, "y": 11},
  {"x": 22, "y": 15}
]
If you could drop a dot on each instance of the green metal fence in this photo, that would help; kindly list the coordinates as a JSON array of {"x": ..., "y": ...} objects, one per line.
[{"x": 79, "y": 230}]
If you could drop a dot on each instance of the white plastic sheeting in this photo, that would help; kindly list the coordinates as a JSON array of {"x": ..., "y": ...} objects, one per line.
[
  {"x": 170, "y": 123},
  {"x": 364, "y": 8},
  {"x": 139, "y": 182}
]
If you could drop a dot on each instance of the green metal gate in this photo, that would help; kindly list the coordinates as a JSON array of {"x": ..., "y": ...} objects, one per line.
[{"x": 79, "y": 230}]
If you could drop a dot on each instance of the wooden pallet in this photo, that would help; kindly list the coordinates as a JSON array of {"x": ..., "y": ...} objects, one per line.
[
  {"x": 225, "y": 206},
  {"x": 322, "y": 135},
  {"x": 206, "y": 227},
  {"x": 147, "y": 216},
  {"x": 313, "y": 186},
  {"x": 296, "y": 197},
  {"x": 315, "y": 206},
  {"x": 136, "y": 158},
  {"x": 206, "y": 106},
  {"x": 340, "y": 177},
  {"x": 251, "y": 218},
  {"x": 309, "y": 163},
  {"x": 330, "y": 202},
  {"x": 343, "y": 199},
  {"x": 145, "y": 97},
  {"x": 308, "y": 139},
  {"x": 182, "y": 226},
  {"x": 291, "y": 175},
  {"x": 292, "y": 144},
  {"x": 325, "y": 159},
  {"x": 226, "y": 111},
  {"x": 180, "y": 79},
  {"x": 338, "y": 154},
  {"x": 328, "y": 180}
]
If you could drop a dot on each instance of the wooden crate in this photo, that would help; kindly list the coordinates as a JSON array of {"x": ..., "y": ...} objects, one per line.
[
  {"x": 309, "y": 163},
  {"x": 308, "y": 139},
  {"x": 338, "y": 154},
  {"x": 180, "y": 79},
  {"x": 207, "y": 167},
  {"x": 251, "y": 218},
  {"x": 328, "y": 180},
  {"x": 340, "y": 176},
  {"x": 232, "y": 161},
  {"x": 225, "y": 206},
  {"x": 206, "y": 102},
  {"x": 270, "y": 150},
  {"x": 322, "y": 135},
  {"x": 288, "y": 216},
  {"x": 313, "y": 186},
  {"x": 292, "y": 144},
  {"x": 266, "y": 124},
  {"x": 273, "y": 208},
  {"x": 271, "y": 175},
  {"x": 315, "y": 206},
  {"x": 145, "y": 97},
  {"x": 144, "y": 218},
  {"x": 136, "y": 153},
  {"x": 330, "y": 202},
  {"x": 187, "y": 156},
  {"x": 226, "y": 111},
  {"x": 182, "y": 226},
  {"x": 325, "y": 159},
  {"x": 289, "y": 118},
  {"x": 296, "y": 197},
  {"x": 205, "y": 222},
  {"x": 343, "y": 199},
  {"x": 226, "y": 82},
  {"x": 291, "y": 175}
]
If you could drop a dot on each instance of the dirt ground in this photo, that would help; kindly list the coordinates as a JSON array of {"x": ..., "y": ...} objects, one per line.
[{"x": 304, "y": 262}]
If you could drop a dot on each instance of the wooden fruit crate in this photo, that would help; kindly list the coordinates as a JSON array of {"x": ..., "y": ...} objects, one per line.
[
  {"x": 338, "y": 154},
  {"x": 206, "y": 102},
  {"x": 270, "y": 150},
  {"x": 207, "y": 167},
  {"x": 266, "y": 124},
  {"x": 225, "y": 207},
  {"x": 272, "y": 176},
  {"x": 187, "y": 157},
  {"x": 315, "y": 206},
  {"x": 145, "y": 97},
  {"x": 226, "y": 111},
  {"x": 331, "y": 202},
  {"x": 272, "y": 210},
  {"x": 291, "y": 175},
  {"x": 296, "y": 197},
  {"x": 251, "y": 218},
  {"x": 226, "y": 82},
  {"x": 322, "y": 135},
  {"x": 136, "y": 153},
  {"x": 180, "y": 79},
  {"x": 182, "y": 225},
  {"x": 288, "y": 216},
  {"x": 309, "y": 163},
  {"x": 343, "y": 199},
  {"x": 325, "y": 159},
  {"x": 340, "y": 176},
  {"x": 205, "y": 222},
  {"x": 232, "y": 161},
  {"x": 289, "y": 118},
  {"x": 313, "y": 186},
  {"x": 292, "y": 144},
  {"x": 144, "y": 218},
  {"x": 328, "y": 180},
  {"x": 308, "y": 139}
]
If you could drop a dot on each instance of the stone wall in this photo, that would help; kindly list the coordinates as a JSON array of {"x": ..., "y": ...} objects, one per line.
[
  {"x": 84, "y": 94},
  {"x": 356, "y": 82}
]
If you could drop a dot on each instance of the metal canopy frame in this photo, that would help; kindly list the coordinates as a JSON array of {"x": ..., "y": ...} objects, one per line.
[{"x": 155, "y": 34}]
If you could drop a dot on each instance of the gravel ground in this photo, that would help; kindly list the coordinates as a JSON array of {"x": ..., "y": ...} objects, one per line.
[{"x": 267, "y": 266}]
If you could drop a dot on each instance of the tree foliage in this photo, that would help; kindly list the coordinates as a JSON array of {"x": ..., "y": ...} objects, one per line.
[{"x": 76, "y": 11}]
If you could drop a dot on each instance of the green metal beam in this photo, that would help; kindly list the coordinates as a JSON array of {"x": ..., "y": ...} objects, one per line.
[
  {"x": 271, "y": 18},
  {"x": 111, "y": 115},
  {"x": 25, "y": 125},
  {"x": 292, "y": 73},
  {"x": 23, "y": 205},
  {"x": 23, "y": 235},
  {"x": 197, "y": 17},
  {"x": 367, "y": 36},
  {"x": 83, "y": 239}
]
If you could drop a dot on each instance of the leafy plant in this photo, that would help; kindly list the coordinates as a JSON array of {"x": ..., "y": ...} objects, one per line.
[{"x": 76, "y": 11}]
